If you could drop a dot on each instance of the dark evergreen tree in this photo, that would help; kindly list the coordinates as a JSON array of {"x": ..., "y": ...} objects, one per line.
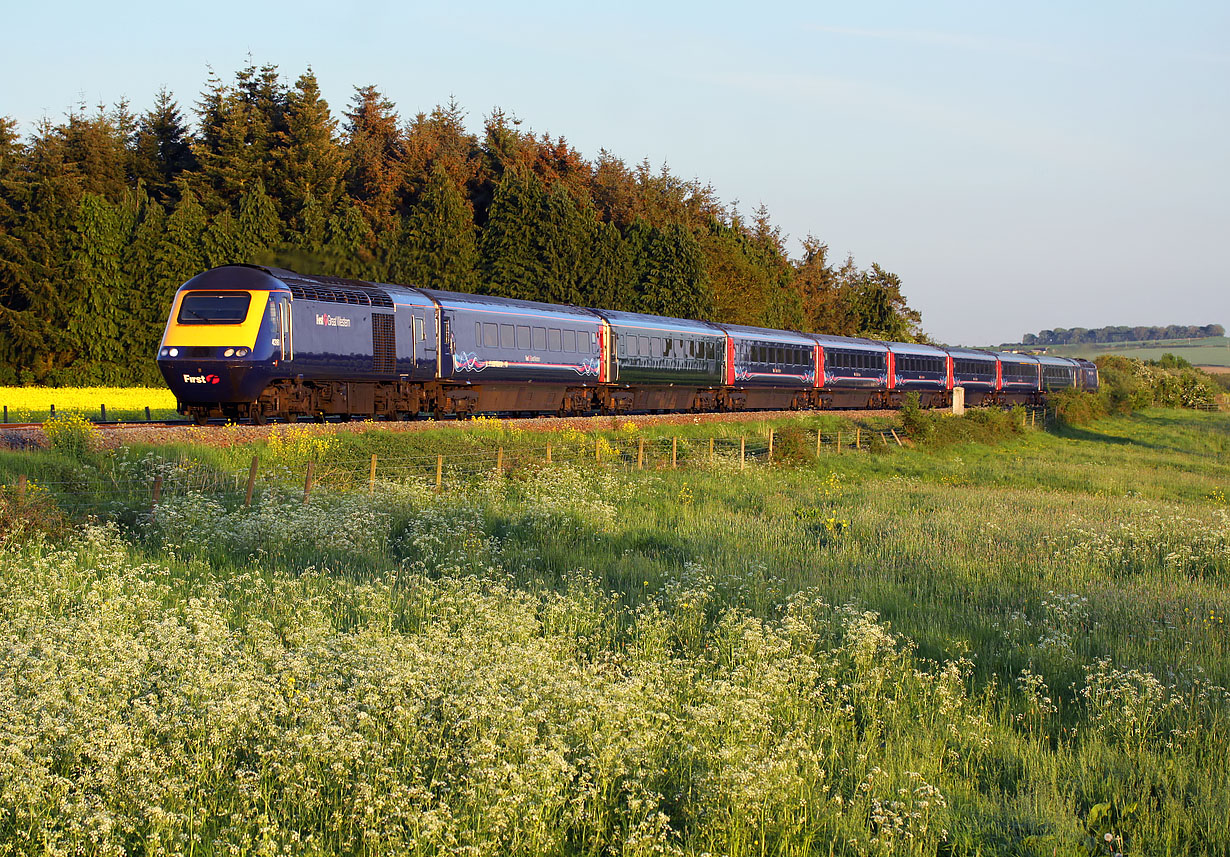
[
  {"x": 309, "y": 162},
  {"x": 565, "y": 237},
  {"x": 146, "y": 305},
  {"x": 180, "y": 254},
  {"x": 241, "y": 128},
  {"x": 43, "y": 195},
  {"x": 508, "y": 248},
  {"x": 349, "y": 249},
  {"x": 258, "y": 229},
  {"x": 374, "y": 149},
  {"x": 95, "y": 298},
  {"x": 438, "y": 247},
  {"x": 95, "y": 148},
  {"x": 612, "y": 283},
  {"x": 221, "y": 240},
  {"x": 162, "y": 150}
]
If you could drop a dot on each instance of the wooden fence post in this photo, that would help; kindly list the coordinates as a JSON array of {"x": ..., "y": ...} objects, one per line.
[
  {"x": 548, "y": 452},
  {"x": 770, "y": 444},
  {"x": 858, "y": 437},
  {"x": 21, "y": 487},
  {"x": 499, "y": 460},
  {"x": 439, "y": 473},
  {"x": 103, "y": 408},
  {"x": 53, "y": 412},
  {"x": 711, "y": 450},
  {"x": 894, "y": 431},
  {"x": 839, "y": 441},
  {"x": 307, "y": 481},
  {"x": 640, "y": 453},
  {"x": 157, "y": 493},
  {"x": 819, "y": 441},
  {"x": 147, "y": 416},
  {"x": 742, "y": 452},
  {"x": 247, "y": 494},
  {"x": 371, "y": 479},
  {"x": 674, "y": 453},
  {"x": 598, "y": 450}
]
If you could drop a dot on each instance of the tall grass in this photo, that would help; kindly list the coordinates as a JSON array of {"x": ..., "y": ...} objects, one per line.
[{"x": 963, "y": 649}]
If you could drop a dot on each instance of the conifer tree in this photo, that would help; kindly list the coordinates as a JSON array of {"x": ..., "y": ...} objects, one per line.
[
  {"x": 221, "y": 241},
  {"x": 438, "y": 248},
  {"x": 257, "y": 229},
  {"x": 509, "y": 260},
  {"x": 43, "y": 196},
  {"x": 349, "y": 246},
  {"x": 309, "y": 162},
  {"x": 96, "y": 149},
  {"x": 162, "y": 151},
  {"x": 95, "y": 296},
  {"x": 670, "y": 271},
  {"x": 146, "y": 304},
  {"x": 374, "y": 149},
  {"x": 612, "y": 282},
  {"x": 240, "y": 129},
  {"x": 565, "y": 234},
  {"x": 180, "y": 254},
  {"x": 439, "y": 139}
]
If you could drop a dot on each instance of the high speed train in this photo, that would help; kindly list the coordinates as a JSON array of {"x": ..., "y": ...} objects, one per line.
[{"x": 245, "y": 342}]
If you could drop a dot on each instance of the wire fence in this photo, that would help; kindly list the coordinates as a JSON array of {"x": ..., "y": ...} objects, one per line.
[{"x": 145, "y": 483}]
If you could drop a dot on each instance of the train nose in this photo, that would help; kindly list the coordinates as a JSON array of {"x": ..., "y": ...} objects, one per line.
[{"x": 210, "y": 381}]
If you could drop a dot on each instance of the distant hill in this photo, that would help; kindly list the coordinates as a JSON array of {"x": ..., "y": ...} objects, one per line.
[
  {"x": 1202, "y": 351},
  {"x": 1119, "y": 334}
]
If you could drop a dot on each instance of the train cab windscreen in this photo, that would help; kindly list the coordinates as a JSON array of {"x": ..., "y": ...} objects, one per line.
[{"x": 214, "y": 308}]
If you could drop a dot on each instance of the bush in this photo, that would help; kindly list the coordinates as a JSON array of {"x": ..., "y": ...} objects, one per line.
[
  {"x": 1075, "y": 408},
  {"x": 25, "y": 513},
  {"x": 792, "y": 445},
  {"x": 72, "y": 434},
  {"x": 1172, "y": 382},
  {"x": 917, "y": 423}
]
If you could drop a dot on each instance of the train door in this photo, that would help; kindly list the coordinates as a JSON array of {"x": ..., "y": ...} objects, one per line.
[
  {"x": 284, "y": 331},
  {"x": 423, "y": 341},
  {"x": 608, "y": 341}
]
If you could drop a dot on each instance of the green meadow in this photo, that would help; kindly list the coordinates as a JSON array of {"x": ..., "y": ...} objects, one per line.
[{"x": 1003, "y": 640}]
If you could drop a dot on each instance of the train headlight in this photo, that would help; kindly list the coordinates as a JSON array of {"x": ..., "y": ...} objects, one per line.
[
  {"x": 230, "y": 352},
  {"x": 173, "y": 352},
  {"x": 241, "y": 352}
]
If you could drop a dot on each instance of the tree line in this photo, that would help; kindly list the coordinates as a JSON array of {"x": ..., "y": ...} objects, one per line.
[
  {"x": 1121, "y": 333},
  {"x": 104, "y": 215}
]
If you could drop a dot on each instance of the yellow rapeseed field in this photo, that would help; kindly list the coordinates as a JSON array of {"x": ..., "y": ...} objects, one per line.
[{"x": 33, "y": 404}]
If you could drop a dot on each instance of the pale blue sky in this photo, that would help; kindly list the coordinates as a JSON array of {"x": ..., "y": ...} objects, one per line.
[{"x": 1039, "y": 165}]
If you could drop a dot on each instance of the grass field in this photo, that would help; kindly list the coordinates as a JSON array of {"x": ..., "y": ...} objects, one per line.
[
  {"x": 1209, "y": 351},
  {"x": 975, "y": 649}
]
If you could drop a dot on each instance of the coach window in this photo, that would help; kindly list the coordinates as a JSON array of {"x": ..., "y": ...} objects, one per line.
[
  {"x": 506, "y": 336},
  {"x": 478, "y": 333},
  {"x": 491, "y": 335},
  {"x": 523, "y": 337},
  {"x": 418, "y": 329},
  {"x": 553, "y": 339},
  {"x": 540, "y": 339},
  {"x": 655, "y": 346}
]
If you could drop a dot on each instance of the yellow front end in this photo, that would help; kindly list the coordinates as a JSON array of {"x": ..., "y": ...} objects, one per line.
[{"x": 241, "y": 335}]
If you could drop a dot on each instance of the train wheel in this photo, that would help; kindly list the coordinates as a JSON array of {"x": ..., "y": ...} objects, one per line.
[{"x": 257, "y": 416}]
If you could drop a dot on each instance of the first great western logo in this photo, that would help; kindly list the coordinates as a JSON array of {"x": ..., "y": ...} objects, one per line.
[{"x": 323, "y": 319}]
